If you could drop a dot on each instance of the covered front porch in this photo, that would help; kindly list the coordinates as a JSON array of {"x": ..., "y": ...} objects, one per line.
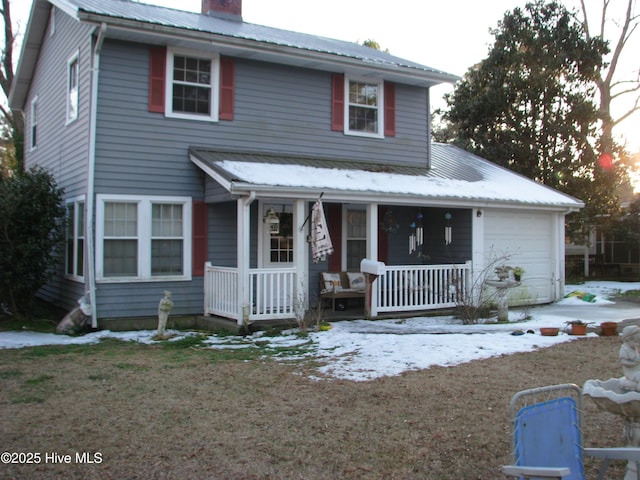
[{"x": 260, "y": 262}]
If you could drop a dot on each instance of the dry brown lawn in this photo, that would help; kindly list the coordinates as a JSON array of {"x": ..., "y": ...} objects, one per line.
[{"x": 157, "y": 412}]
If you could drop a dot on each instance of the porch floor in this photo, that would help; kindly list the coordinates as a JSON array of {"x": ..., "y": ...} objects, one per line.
[{"x": 351, "y": 312}]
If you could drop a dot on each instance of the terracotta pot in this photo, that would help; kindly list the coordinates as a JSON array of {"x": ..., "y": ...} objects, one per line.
[
  {"x": 578, "y": 329},
  {"x": 609, "y": 329},
  {"x": 549, "y": 331}
]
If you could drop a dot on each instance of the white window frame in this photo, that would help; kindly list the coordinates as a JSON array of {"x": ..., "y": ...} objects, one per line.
[
  {"x": 346, "y": 209},
  {"x": 78, "y": 204},
  {"x": 144, "y": 237},
  {"x": 214, "y": 84},
  {"x": 73, "y": 94},
  {"x": 33, "y": 123},
  {"x": 379, "y": 107}
]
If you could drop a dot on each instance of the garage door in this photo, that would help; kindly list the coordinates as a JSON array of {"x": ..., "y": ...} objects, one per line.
[{"x": 527, "y": 238}]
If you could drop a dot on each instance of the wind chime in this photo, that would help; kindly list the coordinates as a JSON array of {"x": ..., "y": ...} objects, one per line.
[
  {"x": 416, "y": 237},
  {"x": 448, "y": 235}
]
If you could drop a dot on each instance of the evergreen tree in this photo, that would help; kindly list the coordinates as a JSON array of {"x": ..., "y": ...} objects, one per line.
[{"x": 529, "y": 107}]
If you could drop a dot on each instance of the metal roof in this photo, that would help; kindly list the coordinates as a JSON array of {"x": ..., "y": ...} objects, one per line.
[
  {"x": 126, "y": 9},
  {"x": 138, "y": 22},
  {"x": 456, "y": 177}
]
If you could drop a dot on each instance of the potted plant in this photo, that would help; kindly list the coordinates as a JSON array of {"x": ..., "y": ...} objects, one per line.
[
  {"x": 577, "y": 327},
  {"x": 324, "y": 326},
  {"x": 517, "y": 273},
  {"x": 608, "y": 329}
]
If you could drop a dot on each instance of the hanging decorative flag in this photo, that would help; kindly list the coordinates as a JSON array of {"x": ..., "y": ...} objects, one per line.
[{"x": 321, "y": 245}]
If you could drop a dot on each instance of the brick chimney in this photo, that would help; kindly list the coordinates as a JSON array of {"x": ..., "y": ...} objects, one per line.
[{"x": 226, "y": 9}]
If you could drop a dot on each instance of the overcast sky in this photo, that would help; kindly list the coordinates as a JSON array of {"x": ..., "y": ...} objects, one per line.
[{"x": 449, "y": 35}]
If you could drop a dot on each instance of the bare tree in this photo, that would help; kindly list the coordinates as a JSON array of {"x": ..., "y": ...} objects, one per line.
[
  {"x": 11, "y": 125},
  {"x": 609, "y": 86}
]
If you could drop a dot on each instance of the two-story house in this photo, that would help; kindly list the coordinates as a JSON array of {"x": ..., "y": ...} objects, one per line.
[{"x": 192, "y": 148}]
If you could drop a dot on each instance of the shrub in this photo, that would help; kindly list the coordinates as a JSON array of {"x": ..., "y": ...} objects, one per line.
[{"x": 31, "y": 227}]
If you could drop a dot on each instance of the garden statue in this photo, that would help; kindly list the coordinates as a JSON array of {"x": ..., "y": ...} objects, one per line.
[
  {"x": 164, "y": 308},
  {"x": 630, "y": 358},
  {"x": 621, "y": 396},
  {"x": 77, "y": 320}
]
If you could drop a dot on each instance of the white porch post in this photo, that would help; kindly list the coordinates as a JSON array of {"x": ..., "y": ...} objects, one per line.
[
  {"x": 558, "y": 257},
  {"x": 244, "y": 227},
  {"x": 372, "y": 249},
  {"x": 301, "y": 255},
  {"x": 478, "y": 260}
]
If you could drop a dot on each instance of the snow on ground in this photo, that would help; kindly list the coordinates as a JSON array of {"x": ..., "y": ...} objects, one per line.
[{"x": 363, "y": 350}]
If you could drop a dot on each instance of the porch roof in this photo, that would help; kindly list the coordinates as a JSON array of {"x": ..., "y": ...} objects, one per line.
[{"x": 456, "y": 178}]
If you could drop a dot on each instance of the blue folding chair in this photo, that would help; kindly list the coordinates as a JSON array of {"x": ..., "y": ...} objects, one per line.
[{"x": 547, "y": 435}]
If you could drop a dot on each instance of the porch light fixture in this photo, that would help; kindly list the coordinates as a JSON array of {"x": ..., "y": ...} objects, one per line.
[{"x": 272, "y": 221}]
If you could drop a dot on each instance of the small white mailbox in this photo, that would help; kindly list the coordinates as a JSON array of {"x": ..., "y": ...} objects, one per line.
[{"x": 372, "y": 267}]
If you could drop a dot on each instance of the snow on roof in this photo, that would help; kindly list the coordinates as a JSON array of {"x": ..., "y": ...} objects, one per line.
[{"x": 455, "y": 175}]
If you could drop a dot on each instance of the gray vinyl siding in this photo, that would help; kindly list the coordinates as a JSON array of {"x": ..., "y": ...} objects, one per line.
[
  {"x": 62, "y": 149},
  {"x": 278, "y": 109},
  {"x": 118, "y": 300},
  {"x": 214, "y": 192},
  {"x": 223, "y": 235}
]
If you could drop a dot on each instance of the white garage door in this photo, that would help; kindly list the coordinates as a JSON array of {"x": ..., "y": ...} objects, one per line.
[{"x": 527, "y": 239}]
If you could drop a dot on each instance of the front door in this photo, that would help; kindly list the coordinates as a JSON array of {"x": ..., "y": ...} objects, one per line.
[{"x": 277, "y": 236}]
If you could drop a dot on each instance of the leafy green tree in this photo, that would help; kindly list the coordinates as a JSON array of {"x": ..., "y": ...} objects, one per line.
[
  {"x": 31, "y": 227},
  {"x": 528, "y": 106}
]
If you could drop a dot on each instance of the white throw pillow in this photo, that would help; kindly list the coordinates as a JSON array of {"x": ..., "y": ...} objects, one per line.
[
  {"x": 356, "y": 281},
  {"x": 331, "y": 281}
]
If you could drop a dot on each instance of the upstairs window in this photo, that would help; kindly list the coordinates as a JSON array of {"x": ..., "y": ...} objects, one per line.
[
  {"x": 364, "y": 100},
  {"x": 34, "y": 123},
  {"x": 73, "y": 77},
  {"x": 192, "y": 86},
  {"x": 362, "y": 107}
]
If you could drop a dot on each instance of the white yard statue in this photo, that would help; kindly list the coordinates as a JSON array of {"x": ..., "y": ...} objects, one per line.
[
  {"x": 621, "y": 396},
  {"x": 630, "y": 358},
  {"x": 164, "y": 308}
]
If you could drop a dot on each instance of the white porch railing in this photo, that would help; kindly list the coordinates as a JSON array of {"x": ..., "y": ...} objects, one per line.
[
  {"x": 272, "y": 293},
  {"x": 221, "y": 292},
  {"x": 422, "y": 287}
]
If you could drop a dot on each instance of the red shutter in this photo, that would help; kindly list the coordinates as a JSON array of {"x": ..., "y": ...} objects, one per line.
[
  {"x": 157, "y": 62},
  {"x": 227, "y": 87},
  {"x": 334, "y": 222},
  {"x": 389, "y": 109},
  {"x": 199, "y": 238},
  {"x": 337, "y": 102}
]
